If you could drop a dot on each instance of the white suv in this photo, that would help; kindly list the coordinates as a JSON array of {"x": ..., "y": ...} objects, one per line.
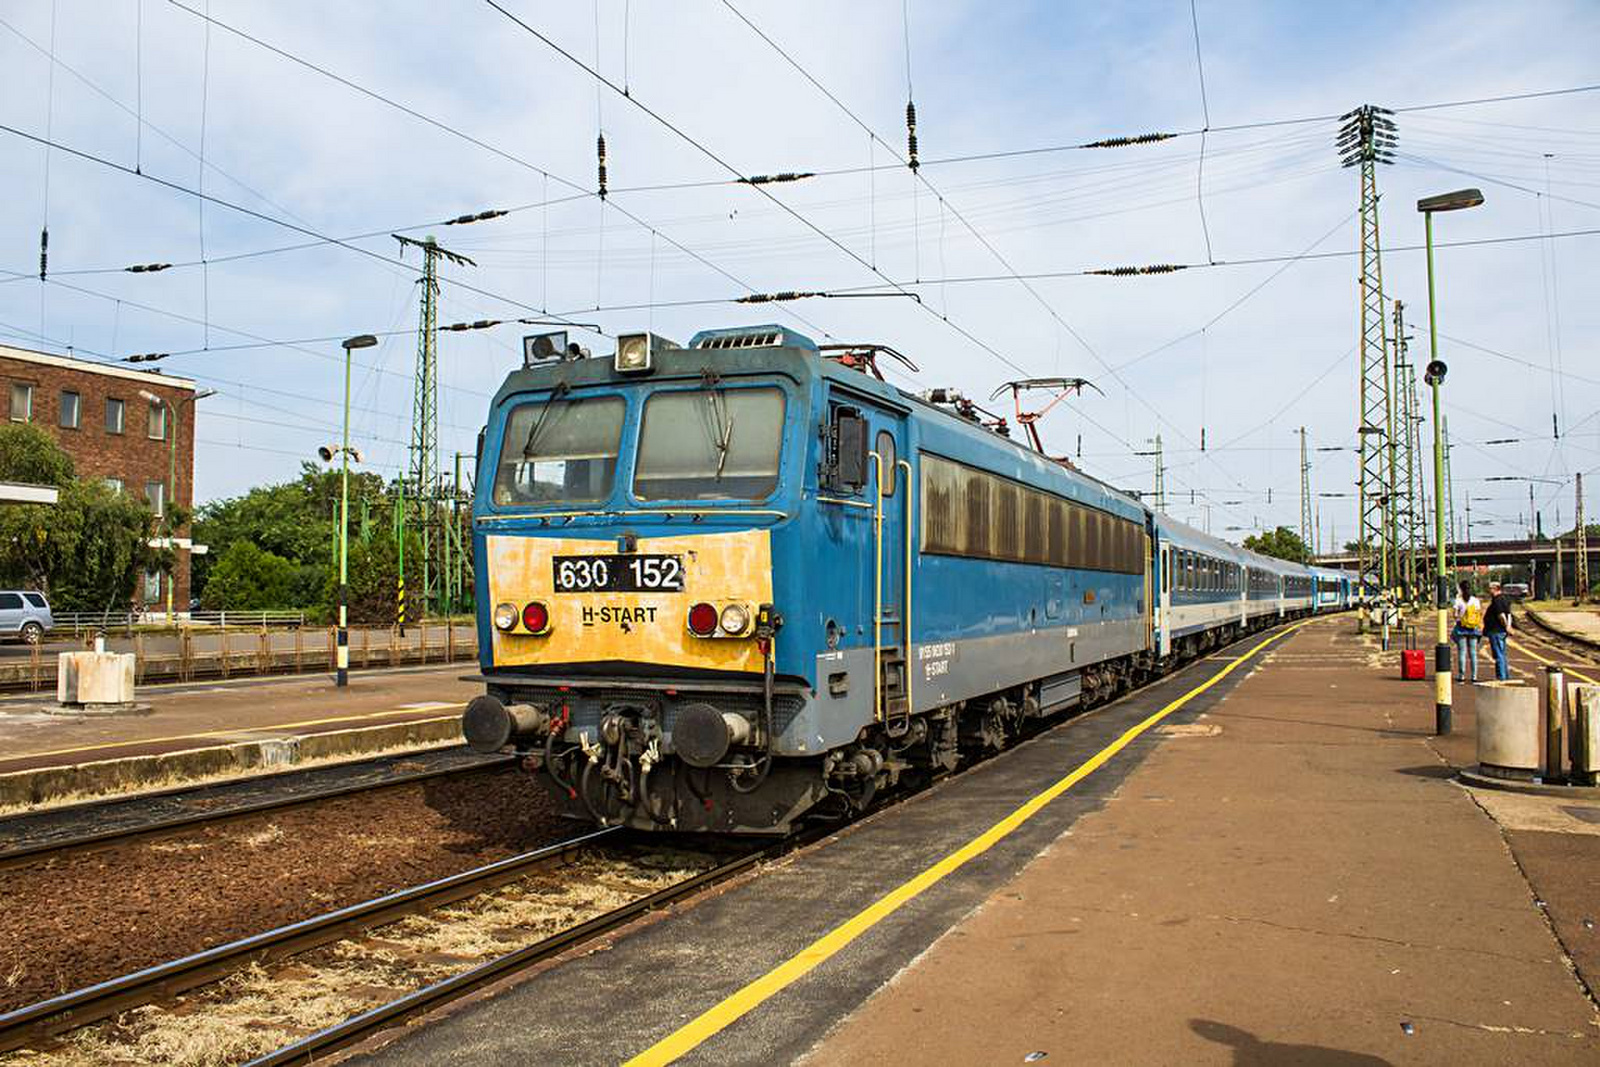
[{"x": 25, "y": 615}]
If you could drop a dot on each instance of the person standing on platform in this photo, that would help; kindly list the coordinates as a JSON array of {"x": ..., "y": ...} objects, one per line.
[
  {"x": 1497, "y": 627},
  {"x": 1468, "y": 631}
]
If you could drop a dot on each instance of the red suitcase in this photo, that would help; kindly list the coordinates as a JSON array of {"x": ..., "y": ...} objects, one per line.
[{"x": 1413, "y": 667}]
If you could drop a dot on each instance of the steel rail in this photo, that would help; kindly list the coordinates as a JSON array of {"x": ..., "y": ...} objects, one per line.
[
  {"x": 359, "y": 1027},
  {"x": 90, "y": 1004},
  {"x": 10, "y": 857}
]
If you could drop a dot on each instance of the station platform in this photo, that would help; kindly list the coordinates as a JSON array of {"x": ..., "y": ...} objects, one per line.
[
  {"x": 48, "y": 753},
  {"x": 1261, "y": 859}
]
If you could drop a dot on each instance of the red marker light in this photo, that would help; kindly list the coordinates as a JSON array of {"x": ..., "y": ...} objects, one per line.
[
  {"x": 702, "y": 620},
  {"x": 535, "y": 618}
]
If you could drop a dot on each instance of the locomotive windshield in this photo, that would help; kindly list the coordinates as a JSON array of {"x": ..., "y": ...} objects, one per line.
[
  {"x": 710, "y": 444},
  {"x": 560, "y": 451}
]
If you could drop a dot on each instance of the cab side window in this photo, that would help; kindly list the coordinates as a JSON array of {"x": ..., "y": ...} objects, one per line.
[{"x": 886, "y": 460}]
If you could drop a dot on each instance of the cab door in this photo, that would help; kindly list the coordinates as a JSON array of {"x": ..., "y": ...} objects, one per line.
[
  {"x": 879, "y": 508},
  {"x": 892, "y": 494}
]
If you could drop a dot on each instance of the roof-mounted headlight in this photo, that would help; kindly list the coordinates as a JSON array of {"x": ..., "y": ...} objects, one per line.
[{"x": 636, "y": 352}]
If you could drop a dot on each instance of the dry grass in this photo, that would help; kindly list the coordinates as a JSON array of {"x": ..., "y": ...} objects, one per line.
[{"x": 262, "y": 1009}]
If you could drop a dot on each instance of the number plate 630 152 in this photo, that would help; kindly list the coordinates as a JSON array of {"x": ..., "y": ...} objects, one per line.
[{"x": 617, "y": 574}]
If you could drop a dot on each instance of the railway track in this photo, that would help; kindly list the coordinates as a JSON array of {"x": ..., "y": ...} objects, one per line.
[
  {"x": 1553, "y": 639},
  {"x": 120, "y": 820},
  {"x": 364, "y": 928}
]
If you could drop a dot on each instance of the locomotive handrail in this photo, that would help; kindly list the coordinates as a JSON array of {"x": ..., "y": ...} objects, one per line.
[
  {"x": 877, "y": 590},
  {"x": 905, "y": 625},
  {"x": 523, "y": 516}
]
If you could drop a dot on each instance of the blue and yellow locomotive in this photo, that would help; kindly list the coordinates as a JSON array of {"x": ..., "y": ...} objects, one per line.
[{"x": 729, "y": 585}]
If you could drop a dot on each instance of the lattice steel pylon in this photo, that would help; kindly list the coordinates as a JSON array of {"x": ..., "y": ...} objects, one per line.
[
  {"x": 1365, "y": 138},
  {"x": 1416, "y": 532},
  {"x": 422, "y": 471},
  {"x": 1402, "y": 465},
  {"x": 1305, "y": 495}
]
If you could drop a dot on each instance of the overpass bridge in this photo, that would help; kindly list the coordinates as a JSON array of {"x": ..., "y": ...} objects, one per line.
[{"x": 1552, "y": 565}]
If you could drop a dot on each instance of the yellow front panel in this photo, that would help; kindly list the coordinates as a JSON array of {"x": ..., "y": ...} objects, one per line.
[{"x": 649, "y": 627}]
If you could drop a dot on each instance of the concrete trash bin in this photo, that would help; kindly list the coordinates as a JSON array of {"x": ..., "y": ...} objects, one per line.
[{"x": 1509, "y": 727}]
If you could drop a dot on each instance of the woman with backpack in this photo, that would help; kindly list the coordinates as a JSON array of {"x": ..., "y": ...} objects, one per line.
[{"x": 1468, "y": 631}]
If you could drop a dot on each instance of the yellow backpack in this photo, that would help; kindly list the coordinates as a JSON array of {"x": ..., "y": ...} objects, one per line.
[{"x": 1472, "y": 618}]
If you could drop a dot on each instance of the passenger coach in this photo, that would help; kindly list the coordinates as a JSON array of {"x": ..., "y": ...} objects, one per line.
[{"x": 729, "y": 585}]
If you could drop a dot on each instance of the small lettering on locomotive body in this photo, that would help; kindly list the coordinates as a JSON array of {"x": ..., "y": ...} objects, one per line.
[{"x": 618, "y": 613}]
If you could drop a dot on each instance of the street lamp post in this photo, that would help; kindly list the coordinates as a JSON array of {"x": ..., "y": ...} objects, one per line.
[
  {"x": 1434, "y": 376},
  {"x": 342, "y": 675}
]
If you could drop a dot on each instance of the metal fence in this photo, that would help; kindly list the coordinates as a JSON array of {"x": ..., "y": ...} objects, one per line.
[
  {"x": 225, "y": 652},
  {"x": 79, "y": 622}
]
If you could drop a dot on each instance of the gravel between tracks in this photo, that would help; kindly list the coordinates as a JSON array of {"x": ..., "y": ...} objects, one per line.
[{"x": 91, "y": 915}]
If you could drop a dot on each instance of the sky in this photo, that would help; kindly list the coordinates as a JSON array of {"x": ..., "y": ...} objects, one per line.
[{"x": 422, "y": 112}]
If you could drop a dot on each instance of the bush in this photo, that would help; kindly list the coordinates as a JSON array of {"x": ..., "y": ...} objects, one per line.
[{"x": 246, "y": 578}]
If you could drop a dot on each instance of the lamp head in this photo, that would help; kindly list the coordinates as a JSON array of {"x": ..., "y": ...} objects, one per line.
[
  {"x": 360, "y": 340},
  {"x": 1461, "y": 198},
  {"x": 326, "y": 452},
  {"x": 1435, "y": 372}
]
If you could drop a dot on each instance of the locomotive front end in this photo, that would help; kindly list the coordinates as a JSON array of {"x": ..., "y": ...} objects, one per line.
[{"x": 629, "y": 616}]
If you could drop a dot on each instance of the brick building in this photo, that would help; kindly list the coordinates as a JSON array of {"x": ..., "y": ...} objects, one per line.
[{"x": 117, "y": 424}]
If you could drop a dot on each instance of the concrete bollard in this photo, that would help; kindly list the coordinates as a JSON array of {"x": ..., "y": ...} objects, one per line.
[
  {"x": 94, "y": 678},
  {"x": 1585, "y": 734},
  {"x": 1508, "y": 729},
  {"x": 1555, "y": 721}
]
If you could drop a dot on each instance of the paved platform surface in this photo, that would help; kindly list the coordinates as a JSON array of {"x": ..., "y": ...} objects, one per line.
[
  {"x": 1279, "y": 871},
  {"x": 212, "y": 713},
  {"x": 1583, "y": 623}
]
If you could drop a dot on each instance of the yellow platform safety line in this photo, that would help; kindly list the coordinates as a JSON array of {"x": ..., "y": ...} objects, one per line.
[
  {"x": 1520, "y": 647},
  {"x": 230, "y": 732},
  {"x": 697, "y": 1031}
]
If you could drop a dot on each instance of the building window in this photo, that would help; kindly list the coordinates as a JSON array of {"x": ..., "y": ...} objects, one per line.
[
  {"x": 157, "y": 425},
  {"x": 152, "y": 586},
  {"x": 156, "y": 494},
  {"x": 21, "y": 402},
  {"x": 115, "y": 485},
  {"x": 114, "y": 414},
  {"x": 71, "y": 409}
]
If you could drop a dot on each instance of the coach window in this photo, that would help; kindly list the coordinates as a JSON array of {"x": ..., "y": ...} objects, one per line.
[
  {"x": 885, "y": 450},
  {"x": 114, "y": 414},
  {"x": 71, "y": 409}
]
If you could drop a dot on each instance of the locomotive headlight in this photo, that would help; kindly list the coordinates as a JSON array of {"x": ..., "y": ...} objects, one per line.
[
  {"x": 633, "y": 353},
  {"x": 505, "y": 616},
  {"x": 735, "y": 620}
]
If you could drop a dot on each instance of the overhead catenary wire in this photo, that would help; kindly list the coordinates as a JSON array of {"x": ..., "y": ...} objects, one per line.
[
  {"x": 444, "y": 127},
  {"x": 944, "y": 202}
]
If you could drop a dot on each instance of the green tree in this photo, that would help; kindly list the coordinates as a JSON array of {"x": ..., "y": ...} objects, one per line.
[
  {"x": 247, "y": 578},
  {"x": 374, "y": 568},
  {"x": 88, "y": 551},
  {"x": 1282, "y": 543},
  {"x": 294, "y": 520},
  {"x": 28, "y": 454}
]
